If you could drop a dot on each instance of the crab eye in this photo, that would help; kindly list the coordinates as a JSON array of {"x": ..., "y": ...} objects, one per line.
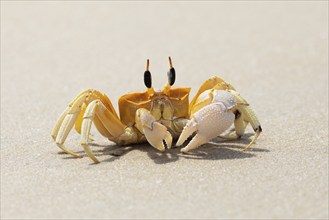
[
  {"x": 171, "y": 74},
  {"x": 147, "y": 79},
  {"x": 147, "y": 76}
]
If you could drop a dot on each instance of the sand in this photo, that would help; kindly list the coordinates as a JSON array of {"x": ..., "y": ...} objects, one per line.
[{"x": 274, "y": 53}]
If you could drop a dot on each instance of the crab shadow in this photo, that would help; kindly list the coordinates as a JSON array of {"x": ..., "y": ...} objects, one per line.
[{"x": 216, "y": 149}]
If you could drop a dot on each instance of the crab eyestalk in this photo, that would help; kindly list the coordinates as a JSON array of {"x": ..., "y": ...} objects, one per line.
[
  {"x": 148, "y": 79},
  {"x": 171, "y": 77},
  {"x": 171, "y": 74}
]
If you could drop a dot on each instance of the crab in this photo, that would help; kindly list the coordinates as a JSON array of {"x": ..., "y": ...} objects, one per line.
[{"x": 158, "y": 117}]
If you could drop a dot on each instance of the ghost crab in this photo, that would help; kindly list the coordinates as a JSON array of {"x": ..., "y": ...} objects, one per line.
[{"x": 157, "y": 117}]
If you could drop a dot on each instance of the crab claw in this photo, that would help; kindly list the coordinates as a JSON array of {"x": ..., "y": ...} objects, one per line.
[
  {"x": 155, "y": 133},
  {"x": 208, "y": 122},
  {"x": 158, "y": 136},
  {"x": 190, "y": 128}
]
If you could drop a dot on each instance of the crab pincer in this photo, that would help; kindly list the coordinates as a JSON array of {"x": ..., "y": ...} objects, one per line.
[
  {"x": 155, "y": 133},
  {"x": 209, "y": 121}
]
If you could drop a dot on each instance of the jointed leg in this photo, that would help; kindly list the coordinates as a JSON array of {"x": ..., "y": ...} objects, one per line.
[
  {"x": 64, "y": 130},
  {"x": 58, "y": 124},
  {"x": 74, "y": 106},
  {"x": 78, "y": 122},
  {"x": 245, "y": 124},
  {"x": 107, "y": 124},
  {"x": 67, "y": 120},
  {"x": 73, "y": 114},
  {"x": 248, "y": 116}
]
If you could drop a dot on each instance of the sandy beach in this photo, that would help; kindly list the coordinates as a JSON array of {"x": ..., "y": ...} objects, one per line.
[{"x": 274, "y": 53}]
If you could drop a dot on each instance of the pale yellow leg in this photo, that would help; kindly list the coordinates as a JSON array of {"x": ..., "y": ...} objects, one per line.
[
  {"x": 85, "y": 128},
  {"x": 245, "y": 124},
  {"x": 65, "y": 123},
  {"x": 78, "y": 122},
  {"x": 112, "y": 124},
  {"x": 253, "y": 140},
  {"x": 213, "y": 82},
  {"x": 248, "y": 116},
  {"x": 59, "y": 123},
  {"x": 106, "y": 122},
  {"x": 100, "y": 127},
  {"x": 64, "y": 130},
  {"x": 73, "y": 114},
  {"x": 74, "y": 107}
]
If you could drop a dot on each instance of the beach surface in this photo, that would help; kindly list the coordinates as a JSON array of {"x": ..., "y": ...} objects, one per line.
[{"x": 274, "y": 53}]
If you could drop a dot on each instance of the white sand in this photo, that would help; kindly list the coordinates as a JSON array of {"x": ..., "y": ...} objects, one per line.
[{"x": 274, "y": 53}]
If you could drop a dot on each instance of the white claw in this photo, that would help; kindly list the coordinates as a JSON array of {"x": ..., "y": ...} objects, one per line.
[
  {"x": 196, "y": 141},
  {"x": 189, "y": 129},
  {"x": 208, "y": 122}
]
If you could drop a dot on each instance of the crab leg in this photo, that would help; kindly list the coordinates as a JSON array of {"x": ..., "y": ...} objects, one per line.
[
  {"x": 78, "y": 122},
  {"x": 94, "y": 94},
  {"x": 64, "y": 130},
  {"x": 245, "y": 124},
  {"x": 75, "y": 106},
  {"x": 251, "y": 117},
  {"x": 86, "y": 125},
  {"x": 67, "y": 120},
  {"x": 106, "y": 122},
  {"x": 248, "y": 116},
  {"x": 81, "y": 102},
  {"x": 74, "y": 114},
  {"x": 59, "y": 123},
  {"x": 100, "y": 127}
]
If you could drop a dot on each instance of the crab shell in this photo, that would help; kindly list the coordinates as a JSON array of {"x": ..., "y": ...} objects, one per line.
[{"x": 168, "y": 104}]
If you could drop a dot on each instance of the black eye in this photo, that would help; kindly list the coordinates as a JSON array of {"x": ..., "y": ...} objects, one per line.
[
  {"x": 147, "y": 76},
  {"x": 147, "y": 79},
  {"x": 171, "y": 74}
]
